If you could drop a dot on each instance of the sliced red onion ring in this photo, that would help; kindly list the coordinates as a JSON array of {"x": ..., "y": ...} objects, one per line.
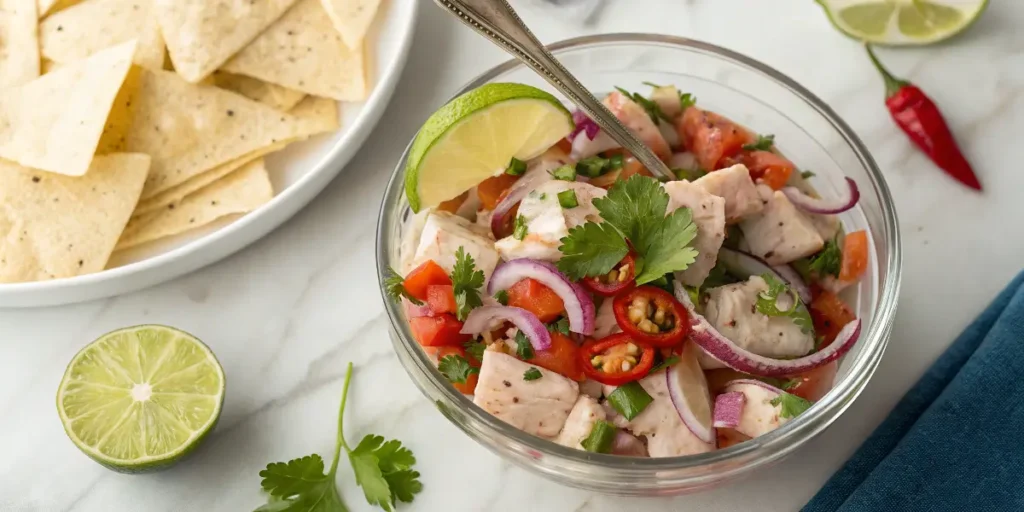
[
  {"x": 584, "y": 147},
  {"x": 531, "y": 180},
  {"x": 796, "y": 281},
  {"x": 583, "y": 124},
  {"x": 740, "y": 359},
  {"x": 483, "y": 319},
  {"x": 579, "y": 307},
  {"x": 628, "y": 445},
  {"x": 745, "y": 264},
  {"x": 688, "y": 389},
  {"x": 729, "y": 409},
  {"x": 824, "y": 206}
]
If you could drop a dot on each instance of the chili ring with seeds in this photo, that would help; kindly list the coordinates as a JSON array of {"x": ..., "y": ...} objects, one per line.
[
  {"x": 616, "y": 359},
  {"x": 619, "y": 279},
  {"x": 653, "y": 316}
]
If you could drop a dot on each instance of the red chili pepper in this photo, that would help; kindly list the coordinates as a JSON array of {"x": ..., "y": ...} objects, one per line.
[
  {"x": 670, "y": 329},
  {"x": 918, "y": 116},
  {"x": 609, "y": 288},
  {"x": 602, "y": 360}
]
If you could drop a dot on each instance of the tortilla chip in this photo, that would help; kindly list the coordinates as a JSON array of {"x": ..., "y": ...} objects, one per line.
[
  {"x": 84, "y": 29},
  {"x": 281, "y": 98},
  {"x": 202, "y": 34},
  {"x": 19, "y": 47},
  {"x": 352, "y": 18},
  {"x": 303, "y": 51},
  {"x": 317, "y": 115},
  {"x": 54, "y": 226},
  {"x": 47, "y": 6},
  {"x": 242, "y": 191},
  {"x": 54, "y": 122}
]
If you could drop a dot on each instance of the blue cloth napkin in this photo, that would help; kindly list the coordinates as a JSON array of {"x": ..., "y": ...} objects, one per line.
[{"x": 956, "y": 440}]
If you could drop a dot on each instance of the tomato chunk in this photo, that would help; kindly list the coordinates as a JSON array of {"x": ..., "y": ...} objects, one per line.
[
  {"x": 490, "y": 190},
  {"x": 772, "y": 169},
  {"x": 536, "y": 298},
  {"x": 438, "y": 331},
  {"x": 423, "y": 276},
  {"x": 468, "y": 387},
  {"x": 855, "y": 256},
  {"x": 710, "y": 137},
  {"x": 562, "y": 357},
  {"x": 829, "y": 314},
  {"x": 441, "y": 299},
  {"x": 813, "y": 384},
  {"x": 452, "y": 205}
]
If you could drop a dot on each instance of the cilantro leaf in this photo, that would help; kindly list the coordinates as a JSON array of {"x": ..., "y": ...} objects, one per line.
[
  {"x": 561, "y": 326},
  {"x": 475, "y": 349},
  {"x": 404, "y": 484},
  {"x": 591, "y": 249},
  {"x": 687, "y": 100},
  {"x": 395, "y": 285},
  {"x": 828, "y": 261},
  {"x": 789, "y": 384},
  {"x": 763, "y": 143},
  {"x": 649, "y": 106},
  {"x": 807, "y": 175},
  {"x": 767, "y": 303},
  {"x": 502, "y": 297},
  {"x": 466, "y": 281},
  {"x": 791, "y": 405},
  {"x": 524, "y": 349},
  {"x": 689, "y": 174},
  {"x": 299, "y": 484},
  {"x": 669, "y": 247},
  {"x": 636, "y": 208},
  {"x": 456, "y": 369},
  {"x": 532, "y": 374}
]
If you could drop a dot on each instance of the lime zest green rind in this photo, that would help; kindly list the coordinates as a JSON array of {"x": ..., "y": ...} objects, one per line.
[{"x": 447, "y": 117}]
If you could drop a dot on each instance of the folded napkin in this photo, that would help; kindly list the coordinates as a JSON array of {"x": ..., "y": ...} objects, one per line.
[{"x": 956, "y": 440}]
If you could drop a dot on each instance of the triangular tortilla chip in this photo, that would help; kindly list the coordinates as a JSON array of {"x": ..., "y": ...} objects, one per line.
[
  {"x": 189, "y": 129},
  {"x": 317, "y": 115},
  {"x": 281, "y": 98},
  {"x": 54, "y": 122},
  {"x": 303, "y": 51},
  {"x": 54, "y": 226},
  {"x": 242, "y": 191},
  {"x": 47, "y": 6},
  {"x": 88, "y": 27},
  {"x": 19, "y": 47},
  {"x": 352, "y": 18},
  {"x": 202, "y": 34}
]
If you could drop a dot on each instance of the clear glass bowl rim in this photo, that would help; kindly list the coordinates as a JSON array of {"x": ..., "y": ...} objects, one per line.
[{"x": 756, "y": 452}]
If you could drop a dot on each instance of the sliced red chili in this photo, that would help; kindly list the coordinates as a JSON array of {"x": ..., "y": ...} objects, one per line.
[
  {"x": 653, "y": 316},
  {"x": 620, "y": 279},
  {"x": 616, "y": 359}
]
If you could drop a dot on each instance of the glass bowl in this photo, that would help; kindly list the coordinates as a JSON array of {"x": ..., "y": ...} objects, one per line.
[{"x": 808, "y": 132}]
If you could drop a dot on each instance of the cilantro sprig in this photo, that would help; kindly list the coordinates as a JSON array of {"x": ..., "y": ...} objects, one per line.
[
  {"x": 649, "y": 106},
  {"x": 686, "y": 100},
  {"x": 382, "y": 468},
  {"x": 466, "y": 283},
  {"x": 532, "y": 374},
  {"x": 767, "y": 303},
  {"x": 791, "y": 405},
  {"x": 763, "y": 143},
  {"x": 524, "y": 349},
  {"x": 828, "y": 261},
  {"x": 394, "y": 283},
  {"x": 456, "y": 368},
  {"x": 475, "y": 349}
]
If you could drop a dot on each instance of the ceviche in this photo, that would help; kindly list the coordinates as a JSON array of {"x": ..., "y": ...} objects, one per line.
[{"x": 578, "y": 298}]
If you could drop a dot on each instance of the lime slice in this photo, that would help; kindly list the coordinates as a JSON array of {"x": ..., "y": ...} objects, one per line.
[
  {"x": 903, "y": 22},
  {"x": 476, "y": 135},
  {"x": 140, "y": 398}
]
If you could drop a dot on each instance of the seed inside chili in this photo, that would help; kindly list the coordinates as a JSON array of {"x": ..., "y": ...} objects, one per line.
[
  {"x": 649, "y": 317},
  {"x": 618, "y": 358}
]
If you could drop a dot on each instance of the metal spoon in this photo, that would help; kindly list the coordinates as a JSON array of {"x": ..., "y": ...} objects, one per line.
[{"x": 498, "y": 22}]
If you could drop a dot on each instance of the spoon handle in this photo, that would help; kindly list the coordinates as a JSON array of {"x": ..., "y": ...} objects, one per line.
[{"x": 498, "y": 22}]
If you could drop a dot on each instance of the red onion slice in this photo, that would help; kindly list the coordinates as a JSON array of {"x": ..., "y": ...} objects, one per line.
[
  {"x": 483, "y": 319},
  {"x": 531, "y": 180},
  {"x": 796, "y": 281},
  {"x": 688, "y": 389},
  {"x": 584, "y": 147},
  {"x": 824, "y": 206},
  {"x": 745, "y": 264},
  {"x": 583, "y": 124},
  {"x": 740, "y": 359},
  {"x": 628, "y": 445},
  {"x": 729, "y": 409},
  {"x": 579, "y": 307},
  {"x": 414, "y": 311}
]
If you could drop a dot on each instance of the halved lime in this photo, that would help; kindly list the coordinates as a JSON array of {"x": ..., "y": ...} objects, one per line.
[
  {"x": 141, "y": 398},
  {"x": 476, "y": 135},
  {"x": 902, "y": 22}
]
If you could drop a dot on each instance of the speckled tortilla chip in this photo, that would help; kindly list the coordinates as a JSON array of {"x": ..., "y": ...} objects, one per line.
[
  {"x": 352, "y": 18},
  {"x": 19, "y": 47},
  {"x": 54, "y": 122},
  {"x": 281, "y": 98},
  {"x": 189, "y": 129},
  {"x": 54, "y": 226},
  {"x": 242, "y": 191},
  {"x": 316, "y": 115},
  {"x": 83, "y": 29},
  {"x": 303, "y": 51},
  {"x": 202, "y": 34}
]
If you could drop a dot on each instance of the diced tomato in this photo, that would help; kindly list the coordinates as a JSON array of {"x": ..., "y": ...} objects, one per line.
[
  {"x": 438, "y": 331},
  {"x": 536, "y": 298},
  {"x": 452, "y": 205},
  {"x": 564, "y": 145},
  {"x": 710, "y": 137},
  {"x": 490, "y": 190},
  {"x": 855, "y": 256},
  {"x": 813, "y": 384},
  {"x": 421, "y": 277},
  {"x": 829, "y": 314},
  {"x": 441, "y": 299},
  {"x": 468, "y": 387},
  {"x": 562, "y": 357},
  {"x": 772, "y": 169}
]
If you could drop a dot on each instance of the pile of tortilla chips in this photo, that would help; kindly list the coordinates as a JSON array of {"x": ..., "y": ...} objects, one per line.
[{"x": 128, "y": 121}]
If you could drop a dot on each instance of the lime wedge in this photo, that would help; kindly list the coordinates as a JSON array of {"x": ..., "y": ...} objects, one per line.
[
  {"x": 476, "y": 135},
  {"x": 903, "y": 22},
  {"x": 141, "y": 398}
]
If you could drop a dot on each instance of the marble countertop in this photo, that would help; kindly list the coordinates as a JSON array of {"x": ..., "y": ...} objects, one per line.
[{"x": 286, "y": 314}]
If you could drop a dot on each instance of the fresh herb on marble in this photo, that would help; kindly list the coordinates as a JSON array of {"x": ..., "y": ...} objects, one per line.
[{"x": 382, "y": 468}]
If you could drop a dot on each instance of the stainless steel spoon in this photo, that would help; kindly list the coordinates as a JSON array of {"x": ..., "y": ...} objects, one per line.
[{"x": 498, "y": 22}]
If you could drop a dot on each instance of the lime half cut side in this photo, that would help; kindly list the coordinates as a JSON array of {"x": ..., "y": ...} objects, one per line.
[
  {"x": 903, "y": 22},
  {"x": 141, "y": 398},
  {"x": 476, "y": 135}
]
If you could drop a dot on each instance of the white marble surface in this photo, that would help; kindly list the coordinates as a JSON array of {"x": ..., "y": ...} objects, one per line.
[{"x": 285, "y": 315}]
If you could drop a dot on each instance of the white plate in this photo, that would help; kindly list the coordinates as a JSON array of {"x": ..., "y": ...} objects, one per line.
[{"x": 298, "y": 174}]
